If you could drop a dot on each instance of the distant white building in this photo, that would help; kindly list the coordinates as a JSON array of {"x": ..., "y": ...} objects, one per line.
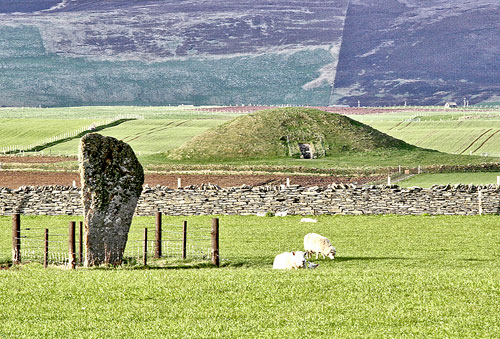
[{"x": 451, "y": 104}]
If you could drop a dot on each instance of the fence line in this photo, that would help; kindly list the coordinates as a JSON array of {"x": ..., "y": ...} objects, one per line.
[
  {"x": 25, "y": 148},
  {"x": 64, "y": 246}
]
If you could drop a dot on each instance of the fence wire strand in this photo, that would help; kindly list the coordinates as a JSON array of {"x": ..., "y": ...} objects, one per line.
[{"x": 32, "y": 243}]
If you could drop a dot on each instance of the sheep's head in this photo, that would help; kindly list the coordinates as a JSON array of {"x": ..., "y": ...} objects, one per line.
[
  {"x": 332, "y": 253},
  {"x": 299, "y": 259}
]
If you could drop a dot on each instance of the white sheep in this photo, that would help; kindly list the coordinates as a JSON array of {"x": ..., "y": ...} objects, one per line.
[
  {"x": 290, "y": 260},
  {"x": 308, "y": 220},
  {"x": 315, "y": 243}
]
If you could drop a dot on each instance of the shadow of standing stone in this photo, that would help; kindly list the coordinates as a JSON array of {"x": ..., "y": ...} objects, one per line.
[{"x": 112, "y": 180}]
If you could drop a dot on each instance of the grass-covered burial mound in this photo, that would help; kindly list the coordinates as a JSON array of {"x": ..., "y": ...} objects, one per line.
[{"x": 286, "y": 132}]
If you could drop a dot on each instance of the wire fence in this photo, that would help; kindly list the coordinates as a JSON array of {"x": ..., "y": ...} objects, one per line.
[
  {"x": 197, "y": 244},
  {"x": 33, "y": 245},
  {"x": 20, "y": 149},
  {"x": 65, "y": 245}
]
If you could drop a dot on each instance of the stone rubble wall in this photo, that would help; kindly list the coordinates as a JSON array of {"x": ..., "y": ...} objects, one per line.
[{"x": 247, "y": 200}]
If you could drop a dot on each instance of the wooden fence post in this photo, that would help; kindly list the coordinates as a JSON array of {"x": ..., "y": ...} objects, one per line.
[
  {"x": 71, "y": 243},
  {"x": 184, "y": 238},
  {"x": 215, "y": 241},
  {"x": 80, "y": 240},
  {"x": 158, "y": 236},
  {"x": 145, "y": 252},
  {"x": 16, "y": 239},
  {"x": 46, "y": 249}
]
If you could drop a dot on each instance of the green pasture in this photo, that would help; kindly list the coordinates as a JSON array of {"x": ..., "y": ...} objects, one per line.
[
  {"x": 427, "y": 180},
  {"x": 351, "y": 163},
  {"x": 165, "y": 128},
  {"x": 468, "y": 131},
  {"x": 148, "y": 136},
  {"x": 107, "y": 112},
  {"x": 394, "y": 276},
  {"x": 158, "y": 130},
  {"x": 33, "y": 131}
]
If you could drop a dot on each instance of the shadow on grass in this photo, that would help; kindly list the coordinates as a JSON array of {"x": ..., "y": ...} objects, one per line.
[
  {"x": 5, "y": 263},
  {"x": 341, "y": 259},
  {"x": 476, "y": 260}
]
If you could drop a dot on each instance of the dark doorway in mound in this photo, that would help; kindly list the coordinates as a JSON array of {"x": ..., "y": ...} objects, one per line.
[{"x": 305, "y": 151}]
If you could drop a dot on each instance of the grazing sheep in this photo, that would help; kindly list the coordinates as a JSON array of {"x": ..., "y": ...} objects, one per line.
[
  {"x": 290, "y": 260},
  {"x": 315, "y": 243}
]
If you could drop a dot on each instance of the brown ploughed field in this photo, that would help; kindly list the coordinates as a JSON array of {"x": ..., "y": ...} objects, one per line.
[{"x": 17, "y": 178}]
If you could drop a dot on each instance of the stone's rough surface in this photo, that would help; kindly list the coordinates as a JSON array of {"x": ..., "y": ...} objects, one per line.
[{"x": 112, "y": 180}]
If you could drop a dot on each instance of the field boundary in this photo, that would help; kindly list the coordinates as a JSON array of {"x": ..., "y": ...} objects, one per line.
[
  {"x": 31, "y": 243},
  {"x": 345, "y": 199},
  {"x": 67, "y": 136}
]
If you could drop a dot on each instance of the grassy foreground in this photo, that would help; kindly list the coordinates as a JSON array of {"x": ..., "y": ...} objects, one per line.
[{"x": 394, "y": 276}]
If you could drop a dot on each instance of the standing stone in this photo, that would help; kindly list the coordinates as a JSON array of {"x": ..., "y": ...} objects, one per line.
[{"x": 112, "y": 179}]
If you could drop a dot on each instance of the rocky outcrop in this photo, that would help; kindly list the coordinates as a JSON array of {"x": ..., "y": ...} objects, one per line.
[{"x": 112, "y": 180}]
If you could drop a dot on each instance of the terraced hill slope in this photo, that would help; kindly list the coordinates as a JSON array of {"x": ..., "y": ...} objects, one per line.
[
  {"x": 284, "y": 132},
  {"x": 315, "y": 52}
]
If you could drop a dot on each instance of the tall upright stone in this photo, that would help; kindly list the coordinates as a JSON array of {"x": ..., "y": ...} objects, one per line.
[{"x": 112, "y": 180}]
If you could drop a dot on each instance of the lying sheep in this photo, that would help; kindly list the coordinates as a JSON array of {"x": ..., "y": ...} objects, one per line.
[
  {"x": 290, "y": 260},
  {"x": 315, "y": 243}
]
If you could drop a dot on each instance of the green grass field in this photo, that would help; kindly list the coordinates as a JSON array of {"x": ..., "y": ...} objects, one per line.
[
  {"x": 148, "y": 136},
  {"x": 161, "y": 129},
  {"x": 394, "y": 276},
  {"x": 427, "y": 180},
  {"x": 34, "y": 131},
  {"x": 468, "y": 131},
  {"x": 165, "y": 128}
]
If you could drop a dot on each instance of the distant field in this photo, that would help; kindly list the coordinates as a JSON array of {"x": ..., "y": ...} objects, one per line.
[
  {"x": 149, "y": 136},
  {"x": 394, "y": 276},
  {"x": 161, "y": 129},
  {"x": 165, "y": 128},
  {"x": 33, "y": 131},
  {"x": 105, "y": 112},
  {"x": 475, "y": 132},
  {"x": 427, "y": 180}
]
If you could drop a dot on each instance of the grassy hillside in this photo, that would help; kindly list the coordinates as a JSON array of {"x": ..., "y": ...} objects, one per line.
[
  {"x": 148, "y": 136},
  {"x": 34, "y": 131},
  {"x": 33, "y": 77},
  {"x": 278, "y": 133}
]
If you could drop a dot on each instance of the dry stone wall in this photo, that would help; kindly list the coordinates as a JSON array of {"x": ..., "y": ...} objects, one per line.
[{"x": 247, "y": 200}]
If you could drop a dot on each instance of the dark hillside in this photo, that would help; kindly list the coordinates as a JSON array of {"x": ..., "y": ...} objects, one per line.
[
  {"x": 422, "y": 52},
  {"x": 159, "y": 52}
]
